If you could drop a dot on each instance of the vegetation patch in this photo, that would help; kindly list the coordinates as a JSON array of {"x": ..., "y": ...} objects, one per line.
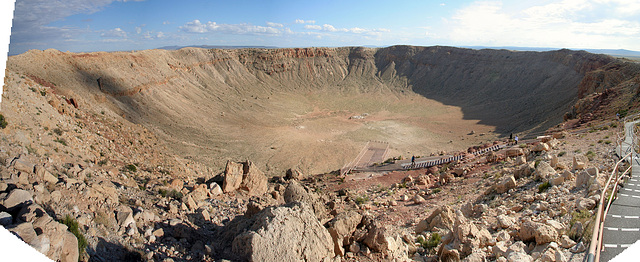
[
  {"x": 432, "y": 242},
  {"x": 73, "y": 227},
  {"x": 544, "y": 186},
  {"x": 3, "y": 122}
]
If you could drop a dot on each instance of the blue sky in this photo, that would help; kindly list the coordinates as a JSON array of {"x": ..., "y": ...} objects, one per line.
[{"x": 111, "y": 25}]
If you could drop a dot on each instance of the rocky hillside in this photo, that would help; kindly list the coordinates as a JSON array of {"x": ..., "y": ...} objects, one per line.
[{"x": 217, "y": 105}]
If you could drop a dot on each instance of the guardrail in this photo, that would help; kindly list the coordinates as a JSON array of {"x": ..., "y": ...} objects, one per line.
[
  {"x": 595, "y": 246},
  {"x": 448, "y": 159},
  {"x": 596, "y": 238}
]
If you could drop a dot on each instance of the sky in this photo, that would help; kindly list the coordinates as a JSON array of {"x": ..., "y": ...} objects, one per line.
[{"x": 114, "y": 25}]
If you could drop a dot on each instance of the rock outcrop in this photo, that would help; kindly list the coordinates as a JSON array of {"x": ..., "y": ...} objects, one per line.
[{"x": 285, "y": 233}]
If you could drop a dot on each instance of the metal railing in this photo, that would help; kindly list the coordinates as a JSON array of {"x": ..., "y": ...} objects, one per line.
[{"x": 596, "y": 238}]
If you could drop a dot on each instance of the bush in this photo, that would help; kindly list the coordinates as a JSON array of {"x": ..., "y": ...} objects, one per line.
[
  {"x": 3, "y": 122},
  {"x": 132, "y": 168},
  {"x": 433, "y": 241},
  {"x": 72, "y": 225},
  {"x": 57, "y": 131},
  {"x": 360, "y": 200},
  {"x": 61, "y": 141},
  {"x": 544, "y": 186},
  {"x": 590, "y": 155},
  {"x": 436, "y": 190},
  {"x": 172, "y": 194},
  {"x": 562, "y": 153}
]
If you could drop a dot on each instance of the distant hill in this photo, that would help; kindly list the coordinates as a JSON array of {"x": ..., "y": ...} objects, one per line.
[
  {"x": 175, "y": 47},
  {"x": 611, "y": 52}
]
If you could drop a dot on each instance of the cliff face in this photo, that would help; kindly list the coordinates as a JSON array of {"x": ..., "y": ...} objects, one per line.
[{"x": 197, "y": 96}]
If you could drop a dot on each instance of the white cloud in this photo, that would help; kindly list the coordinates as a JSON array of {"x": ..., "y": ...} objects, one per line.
[
  {"x": 166, "y": 22},
  {"x": 114, "y": 33},
  {"x": 196, "y": 26},
  {"x": 354, "y": 30},
  {"x": 567, "y": 23},
  {"x": 300, "y": 21},
  {"x": 272, "y": 24},
  {"x": 138, "y": 30}
]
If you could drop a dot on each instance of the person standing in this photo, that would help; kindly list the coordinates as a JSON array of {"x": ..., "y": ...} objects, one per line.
[
  {"x": 516, "y": 140},
  {"x": 413, "y": 161}
]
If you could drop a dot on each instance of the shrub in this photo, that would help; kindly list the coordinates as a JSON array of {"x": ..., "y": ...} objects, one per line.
[
  {"x": 132, "y": 167},
  {"x": 562, "y": 153},
  {"x": 360, "y": 200},
  {"x": 544, "y": 186},
  {"x": 61, "y": 141},
  {"x": 172, "y": 194},
  {"x": 433, "y": 241},
  {"x": 72, "y": 225},
  {"x": 3, "y": 122},
  {"x": 590, "y": 155},
  {"x": 57, "y": 131},
  {"x": 437, "y": 190}
]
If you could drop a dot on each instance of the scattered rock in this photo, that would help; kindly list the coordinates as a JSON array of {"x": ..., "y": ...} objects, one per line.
[
  {"x": 580, "y": 162},
  {"x": 16, "y": 199}
]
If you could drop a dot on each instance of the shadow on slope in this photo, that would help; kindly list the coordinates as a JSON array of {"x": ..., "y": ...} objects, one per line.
[{"x": 513, "y": 91}]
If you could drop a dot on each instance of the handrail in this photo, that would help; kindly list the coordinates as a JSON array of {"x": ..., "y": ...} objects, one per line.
[
  {"x": 594, "y": 247},
  {"x": 596, "y": 239}
]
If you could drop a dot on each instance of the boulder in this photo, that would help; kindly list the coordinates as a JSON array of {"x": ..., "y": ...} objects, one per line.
[
  {"x": 584, "y": 179},
  {"x": 505, "y": 221},
  {"x": 585, "y": 204},
  {"x": 341, "y": 228},
  {"x": 253, "y": 180},
  {"x": 468, "y": 236},
  {"x": 544, "y": 171},
  {"x": 285, "y": 233},
  {"x": 16, "y": 199},
  {"x": 124, "y": 216},
  {"x": 554, "y": 161},
  {"x": 215, "y": 189},
  {"x": 296, "y": 192},
  {"x": 22, "y": 164},
  {"x": 524, "y": 170},
  {"x": 540, "y": 147},
  {"x": 566, "y": 242},
  {"x": 382, "y": 240},
  {"x": 520, "y": 256},
  {"x": 514, "y": 152},
  {"x": 556, "y": 179},
  {"x": 5, "y": 219},
  {"x": 294, "y": 173},
  {"x": 580, "y": 162},
  {"x": 232, "y": 177},
  {"x": 439, "y": 218},
  {"x": 176, "y": 184},
  {"x": 506, "y": 184},
  {"x": 539, "y": 232}
]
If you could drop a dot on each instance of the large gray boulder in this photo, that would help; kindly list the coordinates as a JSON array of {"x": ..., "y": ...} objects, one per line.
[{"x": 285, "y": 233}]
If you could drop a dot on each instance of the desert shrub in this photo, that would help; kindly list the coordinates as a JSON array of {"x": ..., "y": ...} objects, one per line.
[
  {"x": 360, "y": 200},
  {"x": 562, "y": 153},
  {"x": 3, "y": 122},
  {"x": 57, "y": 131},
  {"x": 132, "y": 168},
  {"x": 535, "y": 165},
  {"x": 544, "y": 186},
  {"x": 590, "y": 155},
  {"x": 586, "y": 218},
  {"x": 72, "y": 226},
  {"x": 61, "y": 141},
  {"x": 172, "y": 194},
  {"x": 436, "y": 190},
  {"x": 431, "y": 243}
]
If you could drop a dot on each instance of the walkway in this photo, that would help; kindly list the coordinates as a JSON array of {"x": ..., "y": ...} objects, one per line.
[{"x": 622, "y": 224}]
